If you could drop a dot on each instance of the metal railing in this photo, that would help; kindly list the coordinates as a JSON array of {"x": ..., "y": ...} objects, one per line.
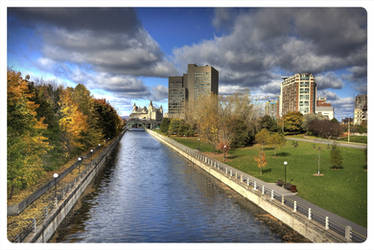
[
  {"x": 252, "y": 185},
  {"x": 18, "y": 230}
]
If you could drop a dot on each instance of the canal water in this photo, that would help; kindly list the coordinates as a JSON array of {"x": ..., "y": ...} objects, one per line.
[{"x": 149, "y": 193}]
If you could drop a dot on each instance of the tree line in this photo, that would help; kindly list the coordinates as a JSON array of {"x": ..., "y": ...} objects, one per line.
[{"x": 47, "y": 125}]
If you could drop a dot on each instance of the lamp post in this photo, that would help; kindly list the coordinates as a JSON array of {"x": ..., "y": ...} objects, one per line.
[
  {"x": 79, "y": 164},
  {"x": 319, "y": 158},
  {"x": 55, "y": 176},
  {"x": 91, "y": 156},
  {"x": 224, "y": 151},
  {"x": 198, "y": 146},
  {"x": 285, "y": 172}
]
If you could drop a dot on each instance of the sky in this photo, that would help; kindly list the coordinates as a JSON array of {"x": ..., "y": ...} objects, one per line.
[{"x": 126, "y": 54}]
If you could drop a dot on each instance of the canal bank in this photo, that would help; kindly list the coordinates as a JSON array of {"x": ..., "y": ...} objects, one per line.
[
  {"x": 150, "y": 194},
  {"x": 311, "y": 226},
  {"x": 69, "y": 197}
]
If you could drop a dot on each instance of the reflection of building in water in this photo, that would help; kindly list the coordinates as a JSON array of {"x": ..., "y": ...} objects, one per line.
[{"x": 150, "y": 113}]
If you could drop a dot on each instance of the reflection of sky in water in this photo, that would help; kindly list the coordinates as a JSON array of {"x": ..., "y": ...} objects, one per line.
[{"x": 148, "y": 193}]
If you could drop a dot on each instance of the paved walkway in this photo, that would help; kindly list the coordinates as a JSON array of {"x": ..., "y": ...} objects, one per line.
[
  {"x": 333, "y": 217},
  {"x": 323, "y": 141}
]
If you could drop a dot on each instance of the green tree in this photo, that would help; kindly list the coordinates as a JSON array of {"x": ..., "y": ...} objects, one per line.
[
  {"x": 164, "y": 126},
  {"x": 336, "y": 158},
  {"x": 278, "y": 141},
  {"x": 263, "y": 137},
  {"x": 293, "y": 122},
  {"x": 269, "y": 123}
]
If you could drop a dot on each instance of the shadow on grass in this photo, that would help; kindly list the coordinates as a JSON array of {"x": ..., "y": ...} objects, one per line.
[
  {"x": 267, "y": 170},
  {"x": 268, "y": 148},
  {"x": 282, "y": 154},
  {"x": 231, "y": 156}
]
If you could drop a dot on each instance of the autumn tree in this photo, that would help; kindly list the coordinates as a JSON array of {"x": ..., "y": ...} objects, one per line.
[
  {"x": 293, "y": 122},
  {"x": 72, "y": 122},
  {"x": 25, "y": 141},
  {"x": 261, "y": 160}
]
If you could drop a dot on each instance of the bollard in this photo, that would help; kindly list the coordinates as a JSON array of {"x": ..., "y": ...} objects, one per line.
[
  {"x": 282, "y": 199},
  {"x": 272, "y": 195},
  {"x": 348, "y": 233},
  {"x": 263, "y": 189},
  {"x": 309, "y": 213},
  {"x": 327, "y": 223},
  {"x": 255, "y": 185},
  {"x": 294, "y": 206}
]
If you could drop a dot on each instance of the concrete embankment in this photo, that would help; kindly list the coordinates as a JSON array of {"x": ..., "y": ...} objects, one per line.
[
  {"x": 262, "y": 197},
  {"x": 46, "y": 230}
]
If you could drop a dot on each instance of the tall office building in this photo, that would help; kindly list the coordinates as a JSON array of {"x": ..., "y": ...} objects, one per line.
[
  {"x": 298, "y": 93},
  {"x": 185, "y": 91},
  {"x": 360, "y": 112},
  {"x": 271, "y": 108}
]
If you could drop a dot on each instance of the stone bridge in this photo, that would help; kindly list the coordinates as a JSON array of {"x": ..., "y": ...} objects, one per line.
[{"x": 141, "y": 123}]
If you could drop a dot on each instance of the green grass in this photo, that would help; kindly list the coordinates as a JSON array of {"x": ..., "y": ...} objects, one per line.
[
  {"x": 343, "y": 191},
  {"x": 194, "y": 143},
  {"x": 355, "y": 138}
]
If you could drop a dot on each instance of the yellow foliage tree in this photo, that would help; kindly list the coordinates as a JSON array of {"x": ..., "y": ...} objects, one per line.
[
  {"x": 25, "y": 141},
  {"x": 261, "y": 160},
  {"x": 73, "y": 122}
]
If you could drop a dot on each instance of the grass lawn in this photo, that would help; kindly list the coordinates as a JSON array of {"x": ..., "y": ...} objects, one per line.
[
  {"x": 355, "y": 138},
  {"x": 343, "y": 191}
]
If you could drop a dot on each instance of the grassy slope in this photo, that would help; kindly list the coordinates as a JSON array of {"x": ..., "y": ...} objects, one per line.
[{"x": 343, "y": 192}]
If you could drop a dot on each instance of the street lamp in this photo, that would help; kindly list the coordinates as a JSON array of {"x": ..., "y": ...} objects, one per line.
[
  {"x": 91, "y": 156},
  {"x": 79, "y": 164},
  {"x": 224, "y": 151},
  {"x": 55, "y": 175},
  {"x": 198, "y": 146},
  {"x": 285, "y": 173}
]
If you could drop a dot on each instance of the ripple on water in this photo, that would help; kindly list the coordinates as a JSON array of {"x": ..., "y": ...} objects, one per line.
[{"x": 148, "y": 193}]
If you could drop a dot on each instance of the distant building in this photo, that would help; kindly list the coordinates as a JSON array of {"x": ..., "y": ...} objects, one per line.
[
  {"x": 325, "y": 109},
  {"x": 185, "y": 91},
  {"x": 360, "y": 111},
  {"x": 176, "y": 97},
  {"x": 150, "y": 113},
  {"x": 272, "y": 108},
  {"x": 298, "y": 93}
]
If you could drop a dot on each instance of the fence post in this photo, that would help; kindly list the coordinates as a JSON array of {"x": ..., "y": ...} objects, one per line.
[
  {"x": 263, "y": 189},
  {"x": 255, "y": 185},
  {"x": 226, "y": 171},
  {"x": 294, "y": 206},
  {"x": 327, "y": 223},
  {"x": 309, "y": 213},
  {"x": 272, "y": 194},
  {"x": 348, "y": 233},
  {"x": 241, "y": 178},
  {"x": 282, "y": 199},
  {"x": 230, "y": 172},
  {"x": 248, "y": 180}
]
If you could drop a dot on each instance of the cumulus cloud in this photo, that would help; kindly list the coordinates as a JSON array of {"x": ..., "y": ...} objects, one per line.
[
  {"x": 110, "y": 40},
  {"x": 329, "y": 80},
  {"x": 289, "y": 39}
]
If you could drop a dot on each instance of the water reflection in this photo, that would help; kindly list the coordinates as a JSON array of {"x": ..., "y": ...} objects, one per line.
[{"x": 148, "y": 193}]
